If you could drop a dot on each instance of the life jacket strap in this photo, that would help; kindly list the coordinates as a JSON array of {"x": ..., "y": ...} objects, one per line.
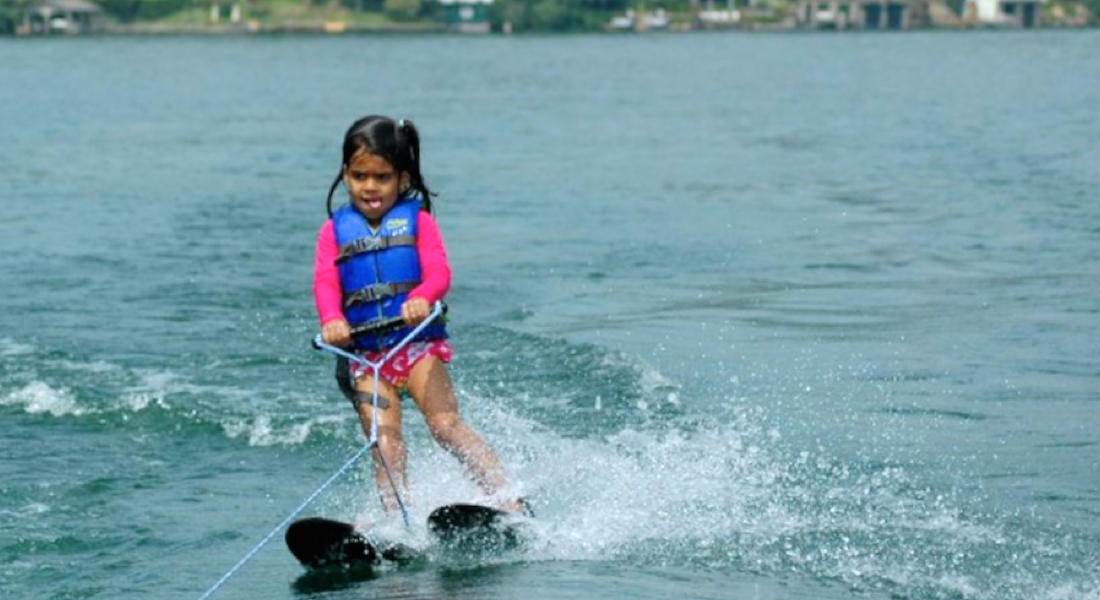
[
  {"x": 379, "y": 291},
  {"x": 373, "y": 244}
]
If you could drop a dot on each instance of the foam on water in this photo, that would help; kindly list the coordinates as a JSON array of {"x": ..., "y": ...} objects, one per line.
[
  {"x": 39, "y": 397},
  {"x": 113, "y": 395},
  {"x": 261, "y": 430},
  {"x": 9, "y": 347}
]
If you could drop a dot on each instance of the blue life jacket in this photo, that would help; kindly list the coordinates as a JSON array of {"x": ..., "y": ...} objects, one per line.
[{"x": 378, "y": 268}]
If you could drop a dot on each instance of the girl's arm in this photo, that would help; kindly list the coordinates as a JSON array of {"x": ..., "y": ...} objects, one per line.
[
  {"x": 326, "y": 278},
  {"x": 435, "y": 270}
]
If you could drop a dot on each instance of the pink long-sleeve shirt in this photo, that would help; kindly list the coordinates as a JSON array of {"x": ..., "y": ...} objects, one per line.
[{"x": 435, "y": 270}]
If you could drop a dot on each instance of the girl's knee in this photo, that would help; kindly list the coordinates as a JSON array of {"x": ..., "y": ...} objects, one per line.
[{"x": 445, "y": 427}]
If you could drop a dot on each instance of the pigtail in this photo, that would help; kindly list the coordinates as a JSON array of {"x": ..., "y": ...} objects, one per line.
[
  {"x": 408, "y": 147},
  {"x": 332, "y": 190}
]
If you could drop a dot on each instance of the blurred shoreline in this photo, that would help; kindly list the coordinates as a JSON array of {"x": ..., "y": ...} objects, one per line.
[
  {"x": 272, "y": 28},
  {"x": 83, "y": 17}
]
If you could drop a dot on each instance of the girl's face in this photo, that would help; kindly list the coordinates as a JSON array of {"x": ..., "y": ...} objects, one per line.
[{"x": 373, "y": 185}]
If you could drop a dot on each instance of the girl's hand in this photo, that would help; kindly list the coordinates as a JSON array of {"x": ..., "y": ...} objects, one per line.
[
  {"x": 336, "y": 332},
  {"x": 415, "y": 310}
]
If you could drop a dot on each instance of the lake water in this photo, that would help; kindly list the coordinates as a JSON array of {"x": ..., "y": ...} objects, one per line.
[{"x": 762, "y": 316}]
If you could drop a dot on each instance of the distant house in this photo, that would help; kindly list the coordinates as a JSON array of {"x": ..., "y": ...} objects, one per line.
[
  {"x": 63, "y": 16},
  {"x": 467, "y": 16},
  {"x": 860, "y": 14},
  {"x": 1010, "y": 13},
  {"x": 658, "y": 20}
]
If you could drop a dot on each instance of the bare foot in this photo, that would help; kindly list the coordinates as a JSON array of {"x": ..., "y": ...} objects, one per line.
[{"x": 517, "y": 505}]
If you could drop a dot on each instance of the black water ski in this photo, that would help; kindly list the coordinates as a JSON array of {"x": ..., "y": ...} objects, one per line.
[
  {"x": 317, "y": 543},
  {"x": 475, "y": 527}
]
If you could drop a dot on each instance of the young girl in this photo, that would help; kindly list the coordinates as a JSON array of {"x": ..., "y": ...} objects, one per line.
[{"x": 382, "y": 256}]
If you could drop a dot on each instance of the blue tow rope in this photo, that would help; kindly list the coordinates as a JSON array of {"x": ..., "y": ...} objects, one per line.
[{"x": 371, "y": 444}]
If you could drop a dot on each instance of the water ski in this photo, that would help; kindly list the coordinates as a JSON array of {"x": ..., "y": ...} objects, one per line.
[
  {"x": 317, "y": 543},
  {"x": 475, "y": 527}
]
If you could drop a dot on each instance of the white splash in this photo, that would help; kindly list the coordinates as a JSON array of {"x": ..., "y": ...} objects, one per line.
[
  {"x": 38, "y": 397},
  {"x": 261, "y": 431}
]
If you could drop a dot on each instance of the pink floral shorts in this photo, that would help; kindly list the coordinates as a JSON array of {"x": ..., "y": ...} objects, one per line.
[{"x": 397, "y": 369}]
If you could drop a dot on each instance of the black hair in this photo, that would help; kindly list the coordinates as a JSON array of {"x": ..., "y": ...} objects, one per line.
[{"x": 396, "y": 142}]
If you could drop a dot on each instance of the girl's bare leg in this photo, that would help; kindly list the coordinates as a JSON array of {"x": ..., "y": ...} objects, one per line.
[
  {"x": 430, "y": 386},
  {"x": 391, "y": 445}
]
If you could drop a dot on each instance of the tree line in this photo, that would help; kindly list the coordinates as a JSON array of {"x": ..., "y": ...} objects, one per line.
[{"x": 521, "y": 15}]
